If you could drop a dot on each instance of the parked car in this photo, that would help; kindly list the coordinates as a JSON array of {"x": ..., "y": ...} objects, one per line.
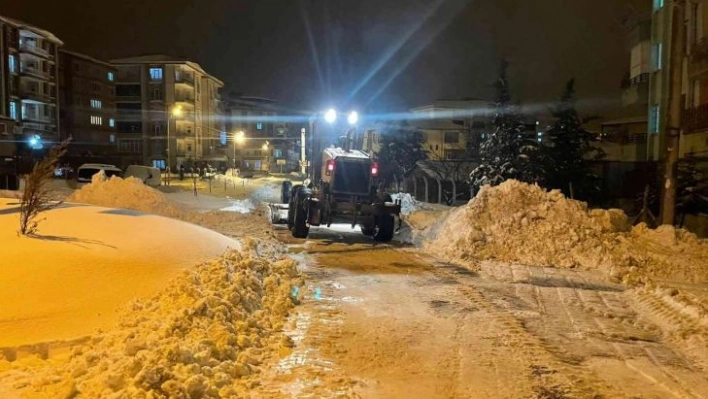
[
  {"x": 149, "y": 175},
  {"x": 86, "y": 171}
]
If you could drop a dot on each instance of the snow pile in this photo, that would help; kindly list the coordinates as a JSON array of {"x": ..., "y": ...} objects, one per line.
[
  {"x": 132, "y": 194},
  {"x": 128, "y": 193},
  {"x": 240, "y": 206},
  {"x": 200, "y": 338},
  {"x": 517, "y": 222},
  {"x": 408, "y": 203}
]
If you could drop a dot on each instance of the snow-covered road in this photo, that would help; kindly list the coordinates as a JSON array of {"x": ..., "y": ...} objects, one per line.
[{"x": 384, "y": 321}]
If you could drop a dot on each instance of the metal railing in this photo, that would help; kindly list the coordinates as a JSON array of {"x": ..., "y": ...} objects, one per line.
[
  {"x": 31, "y": 48},
  {"x": 34, "y": 72},
  {"x": 36, "y": 95},
  {"x": 187, "y": 78},
  {"x": 696, "y": 118},
  {"x": 699, "y": 52}
]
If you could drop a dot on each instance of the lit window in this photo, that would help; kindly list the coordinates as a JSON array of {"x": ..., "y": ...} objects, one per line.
[
  {"x": 654, "y": 119},
  {"x": 658, "y": 4},
  {"x": 222, "y": 138},
  {"x": 112, "y": 138},
  {"x": 96, "y": 104},
  {"x": 259, "y": 126},
  {"x": 156, "y": 73},
  {"x": 12, "y": 63},
  {"x": 656, "y": 54},
  {"x": 13, "y": 110},
  {"x": 96, "y": 120},
  {"x": 111, "y": 76},
  {"x": 112, "y": 122}
]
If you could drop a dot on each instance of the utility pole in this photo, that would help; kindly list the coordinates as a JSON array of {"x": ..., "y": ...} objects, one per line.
[
  {"x": 303, "y": 159},
  {"x": 673, "y": 120}
]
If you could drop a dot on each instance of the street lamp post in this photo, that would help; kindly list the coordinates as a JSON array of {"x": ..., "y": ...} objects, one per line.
[
  {"x": 265, "y": 148},
  {"x": 238, "y": 138},
  {"x": 175, "y": 112}
]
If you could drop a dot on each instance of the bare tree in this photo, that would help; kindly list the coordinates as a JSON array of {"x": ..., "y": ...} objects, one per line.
[{"x": 36, "y": 197}]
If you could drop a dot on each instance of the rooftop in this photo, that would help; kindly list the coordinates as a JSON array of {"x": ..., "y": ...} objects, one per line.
[
  {"x": 87, "y": 58},
  {"x": 38, "y": 31},
  {"x": 162, "y": 59}
]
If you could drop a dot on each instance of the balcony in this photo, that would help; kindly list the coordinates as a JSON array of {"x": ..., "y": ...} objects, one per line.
[
  {"x": 33, "y": 49},
  {"x": 183, "y": 98},
  {"x": 37, "y": 96},
  {"x": 124, "y": 115},
  {"x": 129, "y": 99},
  {"x": 35, "y": 73},
  {"x": 698, "y": 59},
  {"x": 184, "y": 78},
  {"x": 635, "y": 90},
  {"x": 696, "y": 119},
  {"x": 37, "y": 118}
]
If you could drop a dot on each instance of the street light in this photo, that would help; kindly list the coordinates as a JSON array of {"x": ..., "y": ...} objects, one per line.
[
  {"x": 330, "y": 116},
  {"x": 175, "y": 112},
  {"x": 353, "y": 118},
  {"x": 239, "y": 138}
]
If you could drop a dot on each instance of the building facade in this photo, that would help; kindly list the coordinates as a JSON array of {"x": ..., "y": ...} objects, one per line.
[
  {"x": 168, "y": 112},
  {"x": 87, "y": 98},
  {"x": 694, "y": 91},
  {"x": 266, "y": 142},
  {"x": 29, "y": 105}
]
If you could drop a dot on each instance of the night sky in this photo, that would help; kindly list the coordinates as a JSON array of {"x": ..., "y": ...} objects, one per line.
[{"x": 375, "y": 55}]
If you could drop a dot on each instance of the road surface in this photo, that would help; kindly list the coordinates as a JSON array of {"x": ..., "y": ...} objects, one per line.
[{"x": 385, "y": 321}]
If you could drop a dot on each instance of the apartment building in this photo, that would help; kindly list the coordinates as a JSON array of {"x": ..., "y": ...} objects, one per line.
[
  {"x": 264, "y": 144},
  {"x": 87, "y": 98},
  {"x": 29, "y": 106},
  {"x": 168, "y": 112},
  {"x": 694, "y": 141},
  {"x": 624, "y": 138}
]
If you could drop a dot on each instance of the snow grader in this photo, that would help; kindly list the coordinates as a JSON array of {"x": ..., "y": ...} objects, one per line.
[{"x": 347, "y": 191}]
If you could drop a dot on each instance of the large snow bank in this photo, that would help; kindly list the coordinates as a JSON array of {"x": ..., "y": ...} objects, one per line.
[
  {"x": 128, "y": 193},
  {"x": 200, "y": 338},
  {"x": 87, "y": 261},
  {"x": 131, "y": 193},
  {"x": 517, "y": 222}
]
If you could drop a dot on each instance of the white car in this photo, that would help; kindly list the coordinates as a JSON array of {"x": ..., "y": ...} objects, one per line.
[{"x": 86, "y": 171}]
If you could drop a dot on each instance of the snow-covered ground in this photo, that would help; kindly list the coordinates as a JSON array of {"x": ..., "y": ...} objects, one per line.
[
  {"x": 87, "y": 261},
  {"x": 115, "y": 301}
]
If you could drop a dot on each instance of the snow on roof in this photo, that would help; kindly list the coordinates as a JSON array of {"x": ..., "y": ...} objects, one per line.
[
  {"x": 41, "y": 32},
  {"x": 87, "y": 58},
  {"x": 334, "y": 152},
  {"x": 163, "y": 59}
]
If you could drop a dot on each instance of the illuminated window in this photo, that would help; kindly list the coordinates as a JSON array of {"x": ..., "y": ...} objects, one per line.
[
  {"x": 656, "y": 53},
  {"x": 96, "y": 104},
  {"x": 111, "y": 76},
  {"x": 13, "y": 110},
  {"x": 259, "y": 126},
  {"x": 156, "y": 73},
  {"x": 658, "y": 4},
  {"x": 96, "y": 120},
  {"x": 12, "y": 63},
  {"x": 112, "y": 122},
  {"x": 654, "y": 119},
  {"x": 112, "y": 138}
]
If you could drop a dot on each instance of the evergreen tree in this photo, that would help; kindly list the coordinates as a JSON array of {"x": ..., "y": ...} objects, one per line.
[
  {"x": 570, "y": 150},
  {"x": 509, "y": 152},
  {"x": 401, "y": 148}
]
